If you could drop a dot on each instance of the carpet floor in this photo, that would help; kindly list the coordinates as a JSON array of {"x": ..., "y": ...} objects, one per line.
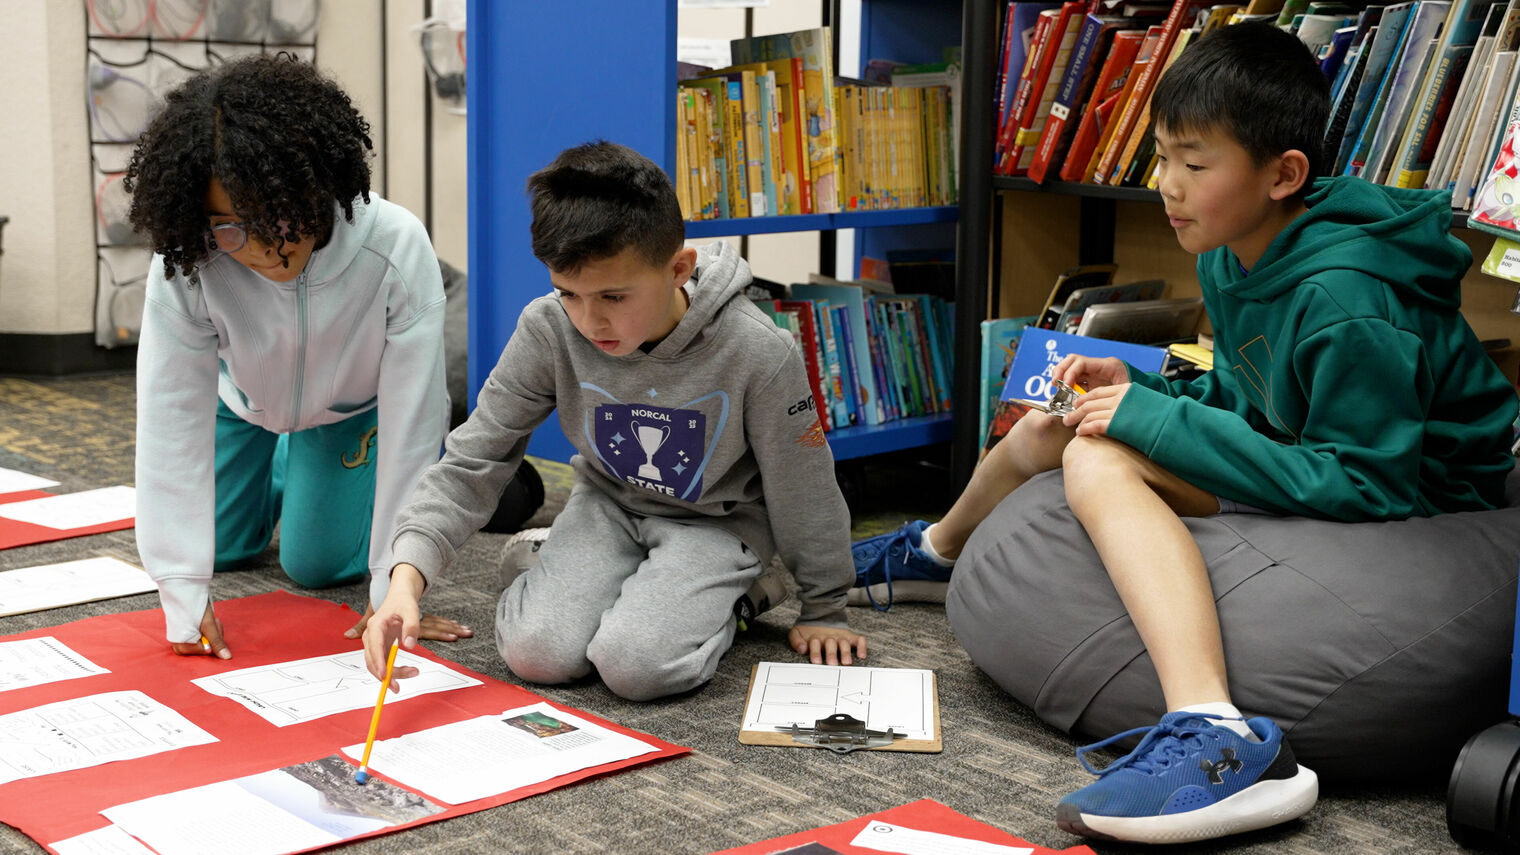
[{"x": 1000, "y": 763}]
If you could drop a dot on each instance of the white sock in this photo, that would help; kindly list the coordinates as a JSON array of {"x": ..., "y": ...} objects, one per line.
[
  {"x": 928, "y": 549},
  {"x": 1230, "y": 717}
]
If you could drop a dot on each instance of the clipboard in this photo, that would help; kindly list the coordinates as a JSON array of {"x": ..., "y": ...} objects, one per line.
[{"x": 781, "y": 694}]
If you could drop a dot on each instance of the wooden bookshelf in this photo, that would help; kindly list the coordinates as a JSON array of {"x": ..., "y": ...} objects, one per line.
[{"x": 528, "y": 99}]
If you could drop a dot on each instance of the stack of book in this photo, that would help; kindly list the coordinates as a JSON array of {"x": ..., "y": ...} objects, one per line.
[
  {"x": 1422, "y": 91},
  {"x": 872, "y": 356},
  {"x": 777, "y": 134}
]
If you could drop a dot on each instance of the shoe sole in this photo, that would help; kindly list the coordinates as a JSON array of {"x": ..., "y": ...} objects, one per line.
[
  {"x": 1261, "y": 805},
  {"x": 903, "y": 591}
]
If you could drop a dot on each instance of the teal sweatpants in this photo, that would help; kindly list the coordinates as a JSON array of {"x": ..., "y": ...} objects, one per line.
[{"x": 317, "y": 484}]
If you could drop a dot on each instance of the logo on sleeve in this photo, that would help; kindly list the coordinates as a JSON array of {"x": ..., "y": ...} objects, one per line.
[{"x": 657, "y": 448}]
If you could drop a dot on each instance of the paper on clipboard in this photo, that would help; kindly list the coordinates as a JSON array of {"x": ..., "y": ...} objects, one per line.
[{"x": 782, "y": 694}]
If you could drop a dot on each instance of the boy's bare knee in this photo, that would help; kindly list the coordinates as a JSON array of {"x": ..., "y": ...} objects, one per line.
[{"x": 1091, "y": 464}]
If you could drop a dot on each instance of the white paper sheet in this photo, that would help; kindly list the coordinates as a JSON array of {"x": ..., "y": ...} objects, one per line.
[
  {"x": 110, "y": 840},
  {"x": 284, "y": 810},
  {"x": 307, "y": 689},
  {"x": 886, "y": 837},
  {"x": 75, "y": 510},
  {"x": 12, "y": 481},
  {"x": 48, "y": 586},
  {"x": 89, "y": 731},
  {"x": 34, "y": 661},
  {"x": 484, "y": 756},
  {"x": 787, "y": 693}
]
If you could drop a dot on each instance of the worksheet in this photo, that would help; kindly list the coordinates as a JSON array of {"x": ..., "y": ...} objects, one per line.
[
  {"x": 12, "y": 481},
  {"x": 89, "y": 731},
  {"x": 48, "y": 586},
  {"x": 75, "y": 510},
  {"x": 109, "y": 840},
  {"x": 488, "y": 755},
  {"x": 285, "y": 810},
  {"x": 306, "y": 689},
  {"x": 787, "y": 693},
  {"x": 34, "y": 661}
]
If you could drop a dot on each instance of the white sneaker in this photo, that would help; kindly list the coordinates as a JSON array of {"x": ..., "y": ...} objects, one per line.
[{"x": 520, "y": 554}]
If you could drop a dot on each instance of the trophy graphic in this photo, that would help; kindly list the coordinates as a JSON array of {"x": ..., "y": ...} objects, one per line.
[{"x": 650, "y": 439}]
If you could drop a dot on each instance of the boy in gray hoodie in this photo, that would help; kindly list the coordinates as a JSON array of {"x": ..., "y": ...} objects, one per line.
[{"x": 700, "y": 453}]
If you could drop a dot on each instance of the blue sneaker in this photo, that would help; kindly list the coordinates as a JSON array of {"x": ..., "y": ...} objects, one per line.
[
  {"x": 893, "y": 566},
  {"x": 1190, "y": 779}
]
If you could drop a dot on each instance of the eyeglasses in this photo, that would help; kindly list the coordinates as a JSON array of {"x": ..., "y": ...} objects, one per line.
[{"x": 227, "y": 237}]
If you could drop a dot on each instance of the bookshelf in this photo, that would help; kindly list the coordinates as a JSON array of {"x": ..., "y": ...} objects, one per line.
[{"x": 540, "y": 80}]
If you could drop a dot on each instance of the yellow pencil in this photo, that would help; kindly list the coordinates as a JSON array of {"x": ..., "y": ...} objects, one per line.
[
  {"x": 1078, "y": 389},
  {"x": 374, "y": 723},
  {"x": 205, "y": 644}
]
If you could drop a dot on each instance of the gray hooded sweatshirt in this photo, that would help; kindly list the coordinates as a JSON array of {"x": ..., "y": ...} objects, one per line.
[{"x": 715, "y": 425}]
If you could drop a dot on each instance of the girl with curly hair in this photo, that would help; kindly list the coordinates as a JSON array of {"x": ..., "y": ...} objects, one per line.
[{"x": 291, "y": 363}]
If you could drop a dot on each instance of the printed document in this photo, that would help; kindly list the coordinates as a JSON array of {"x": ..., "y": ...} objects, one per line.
[
  {"x": 307, "y": 689},
  {"x": 89, "y": 731},
  {"x": 48, "y": 586},
  {"x": 75, "y": 510},
  {"x": 488, "y": 755},
  {"x": 886, "y": 837},
  {"x": 34, "y": 661},
  {"x": 12, "y": 481}
]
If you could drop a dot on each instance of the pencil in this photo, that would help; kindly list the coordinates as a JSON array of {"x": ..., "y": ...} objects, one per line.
[
  {"x": 205, "y": 644},
  {"x": 374, "y": 722}
]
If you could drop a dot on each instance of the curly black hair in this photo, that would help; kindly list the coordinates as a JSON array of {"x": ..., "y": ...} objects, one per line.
[{"x": 283, "y": 139}]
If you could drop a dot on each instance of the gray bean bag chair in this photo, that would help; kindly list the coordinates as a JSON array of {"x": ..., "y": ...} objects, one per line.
[{"x": 1378, "y": 647}]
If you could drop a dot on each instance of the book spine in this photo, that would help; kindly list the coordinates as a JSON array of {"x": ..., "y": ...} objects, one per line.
[
  {"x": 835, "y": 386},
  {"x": 1032, "y": 59},
  {"x": 1083, "y": 59},
  {"x": 1180, "y": 16},
  {"x": 1063, "y": 38},
  {"x": 1111, "y": 79},
  {"x": 850, "y": 371},
  {"x": 884, "y": 406}
]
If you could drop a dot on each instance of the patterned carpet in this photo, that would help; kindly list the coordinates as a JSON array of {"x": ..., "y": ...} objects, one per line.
[{"x": 1000, "y": 764}]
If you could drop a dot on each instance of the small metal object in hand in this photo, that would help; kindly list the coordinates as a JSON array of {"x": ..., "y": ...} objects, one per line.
[
  {"x": 841, "y": 733},
  {"x": 1063, "y": 399}
]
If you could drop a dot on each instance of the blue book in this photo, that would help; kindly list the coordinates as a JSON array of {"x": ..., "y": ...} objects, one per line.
[
  {"x": 852, "y": 298},
  {"x": 848, "y": 372},
  {"x": 1040, "y": 351}
]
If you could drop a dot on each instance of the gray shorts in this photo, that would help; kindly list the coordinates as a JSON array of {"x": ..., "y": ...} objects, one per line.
[{"x": 1230, "y": 506}]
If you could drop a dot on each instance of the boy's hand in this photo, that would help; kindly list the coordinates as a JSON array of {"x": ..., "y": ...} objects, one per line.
[
  {"x": 211, "y": 631},
  {"x": 1095, "y": 410},
  {"x": 827, "y": 645},
  {"x": 397, "y": 618},
  {"x": 1091, "y": 372}
]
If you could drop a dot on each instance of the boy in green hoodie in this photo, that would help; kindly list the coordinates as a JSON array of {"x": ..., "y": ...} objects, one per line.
[{"x": 1346, "y": 386}]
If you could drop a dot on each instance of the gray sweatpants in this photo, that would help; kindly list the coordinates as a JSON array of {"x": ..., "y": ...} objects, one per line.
[{"x": 646, "y": 601}]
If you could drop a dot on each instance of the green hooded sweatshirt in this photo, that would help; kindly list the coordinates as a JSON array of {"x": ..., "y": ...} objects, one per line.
[{"x": 1346, "y": 385}]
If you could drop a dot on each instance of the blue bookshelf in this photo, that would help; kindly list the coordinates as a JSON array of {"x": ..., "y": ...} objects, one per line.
[{"x": 540, "y": 80}]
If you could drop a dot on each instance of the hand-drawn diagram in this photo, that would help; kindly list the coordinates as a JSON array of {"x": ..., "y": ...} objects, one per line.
[
  {"x": 785, "y": 694},
  {"x": 89, "y": 731},
  {"x": 307, "y": 689}
]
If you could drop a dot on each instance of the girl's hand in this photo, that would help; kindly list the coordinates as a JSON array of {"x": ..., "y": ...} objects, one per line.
[
  {"x": 211, "y": 631},
  {"x": 1095, "y": 410},
  {"x": 1091, "y": 372}
]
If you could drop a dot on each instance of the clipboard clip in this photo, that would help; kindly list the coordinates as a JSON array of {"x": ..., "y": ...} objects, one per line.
[
  {"x": 841, "y": 733},
  {"x": 1063, "y": 399}
]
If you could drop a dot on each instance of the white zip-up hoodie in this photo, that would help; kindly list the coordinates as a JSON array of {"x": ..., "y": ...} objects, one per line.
[{"x": 360, "y": 328}]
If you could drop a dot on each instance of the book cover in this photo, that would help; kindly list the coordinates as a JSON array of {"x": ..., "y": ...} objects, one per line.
[
  {"x": 1474, "y": 156},
  {"x": 1341, "y": 102},
  {"x": 1076, "y": 85},
  {"x": 852, "y": 298},
  {"x": 811, "y": 353},
  {"x": 1061, "y": 42},
  {"x": 1181, "y": 17},
  {"x": 1110, "y": 82},
  {"x": 999, "y": 340},
  {"x": 1041, "y": 350},
  {"x": 813, "y": 48},
  {"x": 1395, "y": 79},
  {"x": 1494, "y": 208}
]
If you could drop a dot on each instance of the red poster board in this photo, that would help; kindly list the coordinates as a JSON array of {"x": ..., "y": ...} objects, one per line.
[
  {"x": 16, "y": 533},
  {"x": 922, "y": 815},
  {"x": 265, "y": 629}
]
